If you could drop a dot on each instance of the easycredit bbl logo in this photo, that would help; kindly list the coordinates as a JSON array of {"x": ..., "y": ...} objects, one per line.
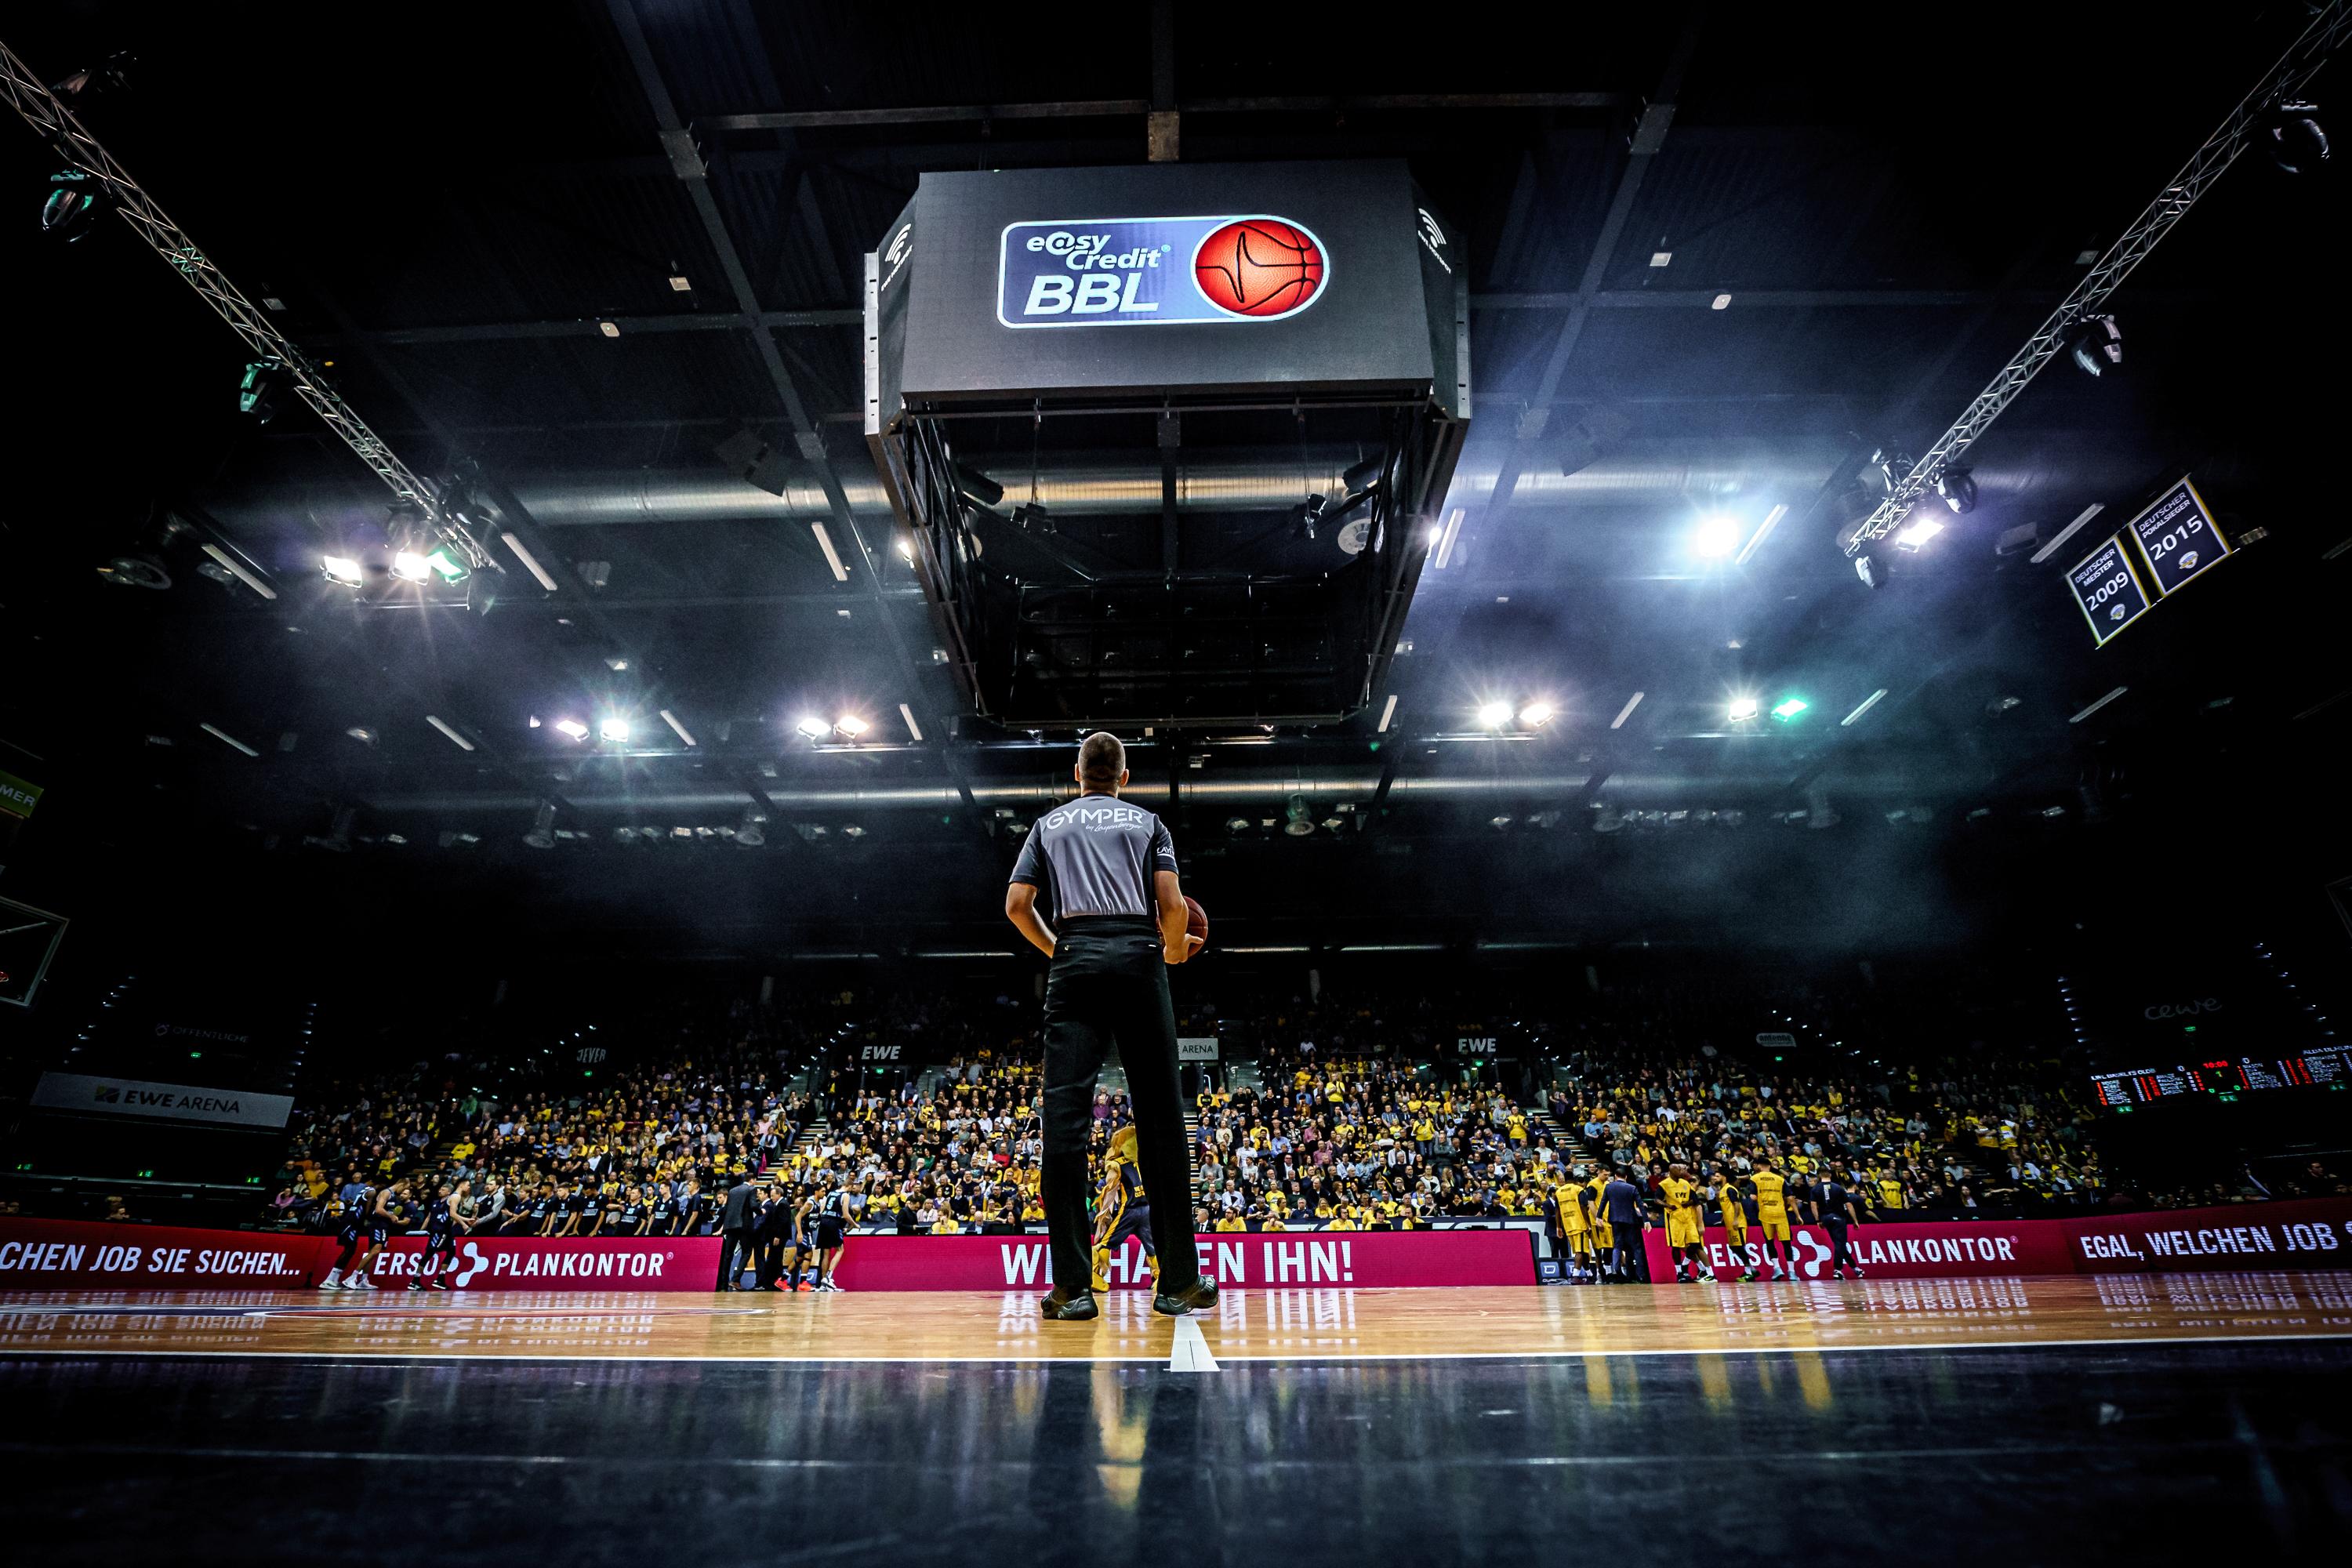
[{"x": 1144, "y": 271}]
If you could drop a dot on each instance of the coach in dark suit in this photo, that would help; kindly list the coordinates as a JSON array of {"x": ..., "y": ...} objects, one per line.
[{"x": 737, "y": 1223}]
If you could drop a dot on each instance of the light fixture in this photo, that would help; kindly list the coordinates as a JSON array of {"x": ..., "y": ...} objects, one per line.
[
  {"x": 2096, "y": 344},
  {"x": 410, "y": 567},
  {"x": 616, "y": 664},
  {"x": 1716, "y": 536},
  {"x": 1299, "y": 817},
  {"x": 1534, "y": 715},
  {"x": 455, "y": 738},
  {"x": 1958, "y": 488},
  {"x": 1918, "y": 533},
  {"x": 684, "y": 735},
  {"x": 71, "y": 208},
  {"x": 1494, "y": 715},
  {"x": 1787, "y": 707},
  {"x": 850, "y": 726},
  {"x": 752, "y": 831},
  {"x": 530, "y": 562},
  {"x": 914, "y": 730},
  {"x": 831, "y": 556},
  {"x": 2291, "y": 135},
  {"x": 1743, "y": 708},
  {"x": 814, "y": 728},
  {"x": 226, "y": 739},
  {"x": 612, "y": 726},
  {"x": 1763, "y": 532},
  {"x": 1865, "y": 706},
  {"x": 259, "y": 390},
  {"x": 573, "y": 728},
  {"x": 443, "y": 559},
  {"x": 341, "y": 569},
  {"x": 542, "y": 827},
  {"x": 1627, "y": 712},
  {"x": 1388, "y": 711},
  {"x": 1867, "y": 570}
]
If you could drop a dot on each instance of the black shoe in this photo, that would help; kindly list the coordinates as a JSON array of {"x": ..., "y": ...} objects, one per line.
[
  {"x": 1199, "y": 1293},
  {"x": 1073, "y": 1307}
]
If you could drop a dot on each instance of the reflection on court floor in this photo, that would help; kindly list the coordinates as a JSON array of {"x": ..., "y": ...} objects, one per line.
[{"x": 1246, "y": 1325}]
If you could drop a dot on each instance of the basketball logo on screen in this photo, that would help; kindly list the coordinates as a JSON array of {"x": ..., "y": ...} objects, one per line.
[{"x": 1259, "y": 267}]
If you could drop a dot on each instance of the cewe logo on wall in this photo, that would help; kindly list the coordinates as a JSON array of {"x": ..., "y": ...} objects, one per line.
[{"x": 1144, "y": 271}]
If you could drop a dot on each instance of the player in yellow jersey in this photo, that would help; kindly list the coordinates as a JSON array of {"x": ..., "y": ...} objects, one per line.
[
  {"x": 1575, "y": 1228},
  {"x": 1685, "y": 1236},
  {"x": 1604, "y": 1239},
  {"x": 1734, "y": 1216},
  {"x": 1122, "y": 1210},
  {"x": 1771, "y": 1190}
]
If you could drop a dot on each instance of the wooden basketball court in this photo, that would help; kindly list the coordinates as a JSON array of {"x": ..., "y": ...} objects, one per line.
[{"x": 1248, "y": 1325}]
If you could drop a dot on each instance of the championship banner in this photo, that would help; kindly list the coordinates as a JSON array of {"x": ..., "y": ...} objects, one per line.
[{"x": 1374, "y": 1259}]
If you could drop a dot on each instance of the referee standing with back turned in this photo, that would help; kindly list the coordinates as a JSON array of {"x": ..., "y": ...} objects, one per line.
[{"x": 1108, "y": 871}]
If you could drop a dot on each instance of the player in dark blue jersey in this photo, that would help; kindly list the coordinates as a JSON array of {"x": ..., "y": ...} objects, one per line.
[
  {"x": 348, "y": 1235},
  {"x": 441, "y": 1227}
]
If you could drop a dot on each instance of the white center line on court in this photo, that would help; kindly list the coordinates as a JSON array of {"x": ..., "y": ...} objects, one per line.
[{"x": 1191, "y": 1349}]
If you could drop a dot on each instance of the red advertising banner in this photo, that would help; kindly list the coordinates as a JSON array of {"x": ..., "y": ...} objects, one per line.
[
  {"x": 61, "y": 1254},
  {"x": 65, "y": 1255},
  {"x": 1370, "y": 1259},
  {"x": 2306, "y": 1233}
]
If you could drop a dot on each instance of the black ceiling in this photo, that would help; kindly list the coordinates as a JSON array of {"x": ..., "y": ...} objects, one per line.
[{"x": 452, "y": 203}]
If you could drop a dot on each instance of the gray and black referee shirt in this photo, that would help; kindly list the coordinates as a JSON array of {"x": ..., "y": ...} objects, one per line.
[{"x": 1096, "y": 856}]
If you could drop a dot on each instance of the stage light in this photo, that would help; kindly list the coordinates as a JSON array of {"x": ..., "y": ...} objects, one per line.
[
  {"x": 1867, "y": 570},
  {"x": 1494, "y": 715},
  {"x": 341, "y": 569},
  {"x": 815, "y": 729},
  {"x": 850, "y": 726},
  {"x": 1718, "y": 535},
  {"x": 1787, "y": 707},
  {"x": 410, "y": 567},
  {"x": 751, "y": 832},
  {"x": 1958, "y": 488},
  {"x": 542, "y": 827},
  {"x": 445, "y": 560},
  {"x": 2096, "y": 344},
  {"x": 573, "y": 728},
  {"x": 259, "y": 392},
  {"x": 1534, "y": 715},
  {"x": 1743, "y": 708},
  {"x": 2291, "y": 135},
  {"x": 1920, "y": 530},
  {"x": 612, "y": 726},
  {"x": 71, "y": 209},
  {"x": 1299, "y": 817},
  {"x": 684, "y": 734}
]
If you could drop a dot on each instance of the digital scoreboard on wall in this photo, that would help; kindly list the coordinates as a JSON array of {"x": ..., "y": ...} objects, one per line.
[{"x": 2320, "y": 1067}]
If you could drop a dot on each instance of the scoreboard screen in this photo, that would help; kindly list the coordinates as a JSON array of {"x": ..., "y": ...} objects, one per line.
[{"x": 2322, "y": 1067}]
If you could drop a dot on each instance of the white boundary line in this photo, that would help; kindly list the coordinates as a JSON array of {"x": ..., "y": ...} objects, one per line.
[{"x": 1191, "y": 1349}]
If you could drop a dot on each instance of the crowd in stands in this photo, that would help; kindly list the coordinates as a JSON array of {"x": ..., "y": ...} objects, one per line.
[
  {"x": 1377, "y": 1108},
  {"x": 1938, "y": 1141},
  {"x": 692, "y": 1103}
]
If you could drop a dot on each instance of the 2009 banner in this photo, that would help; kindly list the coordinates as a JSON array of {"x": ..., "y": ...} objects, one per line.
[{"x": 2313, "y": 1233}]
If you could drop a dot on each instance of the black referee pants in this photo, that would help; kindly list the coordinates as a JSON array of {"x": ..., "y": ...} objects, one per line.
[{"x": 1108, "y": 984}]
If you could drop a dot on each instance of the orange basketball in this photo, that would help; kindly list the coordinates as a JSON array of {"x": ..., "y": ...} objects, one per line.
[
  {"x": 1196, "y": 919},
  {"x": 1259, "y": 267}
]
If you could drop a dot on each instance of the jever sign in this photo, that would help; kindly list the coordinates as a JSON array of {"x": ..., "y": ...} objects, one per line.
[{"x": 1144, "y": 271}]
